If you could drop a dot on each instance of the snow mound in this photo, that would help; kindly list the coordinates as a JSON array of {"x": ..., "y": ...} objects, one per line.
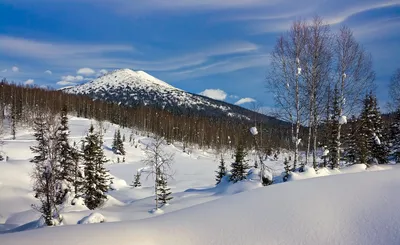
[
  {"x": 111, "y": 201},
  {"x": 331, "y": 210},
  {"x": 118, "y": 184},
  {"x": 93, "y": 218},
  {"x": 225, "y": 187}
]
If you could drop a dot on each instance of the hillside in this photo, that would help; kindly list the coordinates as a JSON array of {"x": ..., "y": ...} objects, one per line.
[
  {"x": 133, "y": 88},
  {"x": 303, "y": 211}
]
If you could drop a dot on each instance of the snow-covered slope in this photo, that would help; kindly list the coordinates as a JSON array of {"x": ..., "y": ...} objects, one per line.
[
  {"x": 132, "y": 88},
  {"x": 343, "y": 208},
  {"x": 357, "y": 208}
]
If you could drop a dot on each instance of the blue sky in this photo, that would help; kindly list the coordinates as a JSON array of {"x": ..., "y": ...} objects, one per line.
[{"x": 219, "y": 47}]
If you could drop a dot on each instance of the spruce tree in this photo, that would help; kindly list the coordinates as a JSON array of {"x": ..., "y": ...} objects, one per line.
[
  {"x": 334, "y": 141},
  {"x": 351, "y": 152},
  {"x": 221, "y": 172},
  {"x": 120, "y": 143},
  {"x": 240, "y": 166},
  {"x": 136, "y": 182},
  {"x": 394, "y": 137},
  {"x": 379, "y": 148},
  {"x": 287, "y": 170},
  {"x": 114, "y": 146},
  {"x": 46, "y": 182},
  {"x": 96, "y": 176},
  {"x": 371, "y": 146},
  {"x": 163, "y": 192},
  {"x": 64, "y": 151},
  {"x": 77, "y": 180}
]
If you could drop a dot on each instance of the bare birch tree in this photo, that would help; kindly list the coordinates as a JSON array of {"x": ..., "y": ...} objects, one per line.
[
  {"x": 353, "y": 76},
  {"x": 159, "y": 163},
  {"x": 285, "y": 81},
  {"x": 316, "y": 65}
]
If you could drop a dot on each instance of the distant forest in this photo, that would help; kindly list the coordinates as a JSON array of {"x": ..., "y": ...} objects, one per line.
[{"x": 21, "y": 104}]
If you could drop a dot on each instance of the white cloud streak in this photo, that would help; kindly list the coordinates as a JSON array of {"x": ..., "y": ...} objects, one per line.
[
  {"x": 244, "y": 101},
  {"x": 216, "y": 94},
  {"x": 29, "y": 82},
  {"x": 15, "y": 69},
  {"x": 51, "y": 51},
  {"x": 85, "y": 71}
]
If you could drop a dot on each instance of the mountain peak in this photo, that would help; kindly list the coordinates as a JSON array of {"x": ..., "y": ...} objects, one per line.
[
  {"x": 134, "y": 88},
  {"x": 128, "y": 76}
]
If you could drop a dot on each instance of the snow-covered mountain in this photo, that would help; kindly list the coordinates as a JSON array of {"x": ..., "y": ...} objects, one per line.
[{"x": 131, "y": 88}]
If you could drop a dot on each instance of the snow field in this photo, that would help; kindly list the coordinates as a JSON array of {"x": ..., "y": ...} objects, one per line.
[{"x": 200, "y": 212}]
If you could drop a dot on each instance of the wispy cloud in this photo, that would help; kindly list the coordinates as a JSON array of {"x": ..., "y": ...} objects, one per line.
[
  {"x": 337, "y": 17},
  {"x": 85, "y": 71},
  {"x": 15, "y": 69},
  {"x": 244, "y": 101},
  {"x": 372, "y": 29},
  {"x": 216, "y": 94},
  {"x": 29, "y": 81},
  {"x": 70, "y": 80},
  {"x": 48, "y": 72},
  {"x": 49, "y": 51},
  {"x": 98, "y": 56},
  {"x": 228, "y": 65}
]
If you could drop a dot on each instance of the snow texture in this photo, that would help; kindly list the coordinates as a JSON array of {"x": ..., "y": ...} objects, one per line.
[
  {"x": 263, "y": 216},
  {"x": 93, "y": 218},
  {"x": 331, "y": 206}
]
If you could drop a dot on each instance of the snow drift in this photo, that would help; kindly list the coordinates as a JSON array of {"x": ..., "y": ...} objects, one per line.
[{"x": 359, "y": 208}]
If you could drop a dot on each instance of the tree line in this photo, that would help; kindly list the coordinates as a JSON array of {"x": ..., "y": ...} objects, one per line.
[
  {"x": 319, "y": 79},
  {"x": 21, "y": 104}
]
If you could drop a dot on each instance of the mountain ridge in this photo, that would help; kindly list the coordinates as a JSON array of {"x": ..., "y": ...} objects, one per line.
[{"x": 133, "y": 88}]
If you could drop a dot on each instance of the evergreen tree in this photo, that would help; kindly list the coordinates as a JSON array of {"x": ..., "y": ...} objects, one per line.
[
  {"x": 351, "y": 152},
  {"x": 287, "y": 170},
  {"x": 221, "y": 170},
  {"x": 46, "y": 182},
  {"x": 96, "y": 176},
  {"x": 77, "y": 180},
  {"x": 379, "y": 148},
  {"x": 334, "y": 141},
  {"x": 240, "y": 166},
  {"x": 136, "y": 182},
  {"x": 371, "y": 146},
  {"x": 118, "y": 143},
  {"x": 114, "y": 146},
  {"x": 163, "y": 191},
  {"x": 64, "y": 151},
  {"x": 394, "y": 137}
]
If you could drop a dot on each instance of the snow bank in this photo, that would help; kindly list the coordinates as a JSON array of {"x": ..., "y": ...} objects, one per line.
[
  {"x": 118, "y": 184},
  {"x": 93, "y": 218},
  {"x": 309, "y": 172},
  {"x": 332, "y": 210}
]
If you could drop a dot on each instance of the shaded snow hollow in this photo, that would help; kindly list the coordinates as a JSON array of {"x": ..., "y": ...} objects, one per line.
[{"x": 359, "y": 208}]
